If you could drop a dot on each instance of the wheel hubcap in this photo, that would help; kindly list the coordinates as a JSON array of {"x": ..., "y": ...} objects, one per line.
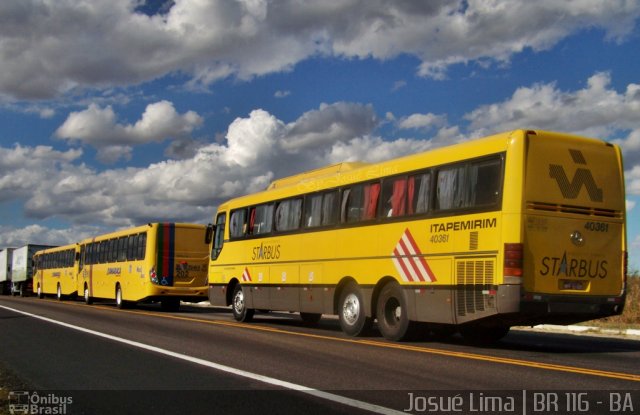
[
  {"x": 351, "y": 309},
  {"x": 238, "y": 302},
  {"x": 393, "y": 311}
]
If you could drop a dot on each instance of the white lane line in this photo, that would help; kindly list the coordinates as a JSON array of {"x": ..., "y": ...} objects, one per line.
[{"x": 238, "y": 372}]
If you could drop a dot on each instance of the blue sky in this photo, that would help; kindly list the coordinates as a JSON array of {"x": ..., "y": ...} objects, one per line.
[{"x": 119, "y": 112}]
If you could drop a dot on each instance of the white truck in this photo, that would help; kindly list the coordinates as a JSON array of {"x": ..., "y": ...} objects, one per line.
[
  {"x": 5, "y": 270},
  {"x": 22, "y": 269}
]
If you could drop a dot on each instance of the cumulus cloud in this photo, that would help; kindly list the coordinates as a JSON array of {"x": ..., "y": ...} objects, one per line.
[
  {"x": 41, "y": 235},
  {"x": 422, "y": 121},
  {"x": 597, "y": 110},
  {"x": 256, "y": 149},
  {"x": 99, "y": 128},
  {"x": 56, "y": 46}
]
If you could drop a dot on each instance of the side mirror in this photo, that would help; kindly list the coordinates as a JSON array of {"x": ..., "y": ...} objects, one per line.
[
  {"x": 208, "y": 236},
  {"x": 77, "y": 256}
]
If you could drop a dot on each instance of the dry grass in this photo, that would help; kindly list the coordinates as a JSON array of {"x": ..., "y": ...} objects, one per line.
[{"x": 630, "y": 318}]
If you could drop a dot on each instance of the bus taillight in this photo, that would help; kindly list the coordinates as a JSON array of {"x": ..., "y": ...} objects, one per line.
[{"x": 513, "y": 255}]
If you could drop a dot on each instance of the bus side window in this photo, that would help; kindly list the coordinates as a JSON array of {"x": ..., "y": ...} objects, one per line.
[
  {"x": 288, "y": 215},
  {"x": 469, "y": 185},
  {"x": 450, "y": 193},
  {"x": 419, "y": 193},
  {"x": 488, "y": 186},
  {"x": 218, "y": 240},
  {"x": 113, "y": 250},
  {"x": 261, "y": 219},
  {"x": 394, "y": 197},
  {"x": 313, "y": 211},
  {"x": 81, "y": 261},
  {"x": 360, "y": 202},
  {"x": 237, "y": 224},
  {"x": 131, "y": 247},
  {"x": 330, "y": 212},
  {"x": 321, "y": 209},
  {"x": 122, "y": 249},
  {"x": 142, "y": 245}
]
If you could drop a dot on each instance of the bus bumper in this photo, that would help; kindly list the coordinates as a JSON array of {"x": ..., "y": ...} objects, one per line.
[{"x": 559, "y": 309}]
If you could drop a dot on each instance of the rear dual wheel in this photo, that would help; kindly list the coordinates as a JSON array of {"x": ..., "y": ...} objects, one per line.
[{"x": 392, "y": 314}]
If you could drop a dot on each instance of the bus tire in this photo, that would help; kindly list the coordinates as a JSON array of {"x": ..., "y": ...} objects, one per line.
[
  {"x": 59, "y": 293},
  {"x": 239, "y": 305},
  {"x": 170, "y": 304},
  {"x": 39, "y": 291},
  {"x": 87, "y": 298},
  {"x": 120, "y": 303},
  {"x": 310, "y": 319},
  {"x": 392, "y": 313},
  {"x": 351, "y": 313}
]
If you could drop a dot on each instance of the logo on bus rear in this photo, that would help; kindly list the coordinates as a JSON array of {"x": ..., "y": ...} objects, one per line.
[{"x": 581, "y": 178}]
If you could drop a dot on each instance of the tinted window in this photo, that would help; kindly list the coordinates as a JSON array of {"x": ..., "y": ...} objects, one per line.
[
  {"x": 237, "y": 224},
  {"x": 288, "y": 215},
  {"x": 261, "y": 219},
  {"x": 360, "y": 202},
  {"x": 469, "y": 185}
]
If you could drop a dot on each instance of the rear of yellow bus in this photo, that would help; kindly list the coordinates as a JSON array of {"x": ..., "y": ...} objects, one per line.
[
  {"x": 573, "y": 265},
  {"x": 180, "y": 264}
]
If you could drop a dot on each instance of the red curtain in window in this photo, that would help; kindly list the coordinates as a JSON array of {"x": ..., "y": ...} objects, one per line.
[
  {"x": 412, "y": 191},
  {"x": 371, "y": 200},
  {"x": 398, "y": 199},
  {"x": 252, "y": 220}
]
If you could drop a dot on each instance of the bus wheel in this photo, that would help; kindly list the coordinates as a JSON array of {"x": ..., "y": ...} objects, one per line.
[
  {"x": 478, "y": 334},
  {"x": 310, "y": 318},
  {"x": 87, "y": 298},
  {"x": 351, "y": 312},
  {"x": 170, "y": 304},
  {"x": 120, "y": 303},
  {"x": 392, "y": 313},
  {"x": 59, "y": 293},
  {"x": 239, "y": 307},
  {"x": 40, "y": 294}
]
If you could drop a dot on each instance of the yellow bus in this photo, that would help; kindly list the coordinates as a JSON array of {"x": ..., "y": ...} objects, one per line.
[
  {"x": 519, "y": 228},
  {"x": 158, "y": 262},
  {"x": 56, "y": 271}
]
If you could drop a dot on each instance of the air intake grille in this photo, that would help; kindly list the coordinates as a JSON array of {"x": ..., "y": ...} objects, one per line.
[{"x": 473, "y": 279}]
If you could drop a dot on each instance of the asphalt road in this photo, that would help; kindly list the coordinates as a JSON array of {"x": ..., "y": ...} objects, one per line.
[{"x": 200, "y": 360}]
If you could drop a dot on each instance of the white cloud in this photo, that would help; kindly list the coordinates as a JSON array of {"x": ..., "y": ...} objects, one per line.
[
  {"x": 258, "y": 148},
  {"x": 632, "y": 177},
  {"x": 597, "y": 110},
  {"x": 56, "y": 46},
  {"x": 282, "y": 94},
  {"x": 99, "y": 128},
  {"x": 41, "y": 235},
  {"x": 630, "y": 204},
  {"x": 422, "y": 121}
]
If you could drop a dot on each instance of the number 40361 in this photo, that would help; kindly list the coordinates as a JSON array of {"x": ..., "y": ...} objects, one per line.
[{"x": 597, "y": 226}]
